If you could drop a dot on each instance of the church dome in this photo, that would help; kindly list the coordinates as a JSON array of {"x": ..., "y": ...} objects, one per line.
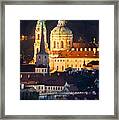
[
  {"x": 61, "y": 37},
  {"x": 61, "y": 29}
]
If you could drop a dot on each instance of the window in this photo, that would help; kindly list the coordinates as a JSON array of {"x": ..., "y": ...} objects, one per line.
[
  {"x": 38, "y": 36},
  {"x": 45, "y": 57},
  {"x": 37, "y": 50},
  {"x": 58, "y": 88},
  {"x": 62, "y": 67},
  {"x": 28, "y": 76},
  {"x": 38, "y": 29},
  {"x": 57, "y": 67},
  {"x": 62, "y": 45},
  {"x": 42, "y": 70},
  {"x": 39, "y": 57},
  {"x": 54, "y": 44},
  {"x": 60, "y": 60},
  {"x": 21, "y": 76},
  {"x": 57, "y": 44}
]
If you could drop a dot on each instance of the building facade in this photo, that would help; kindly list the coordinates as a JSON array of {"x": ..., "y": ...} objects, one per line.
[{"x": 64, "y": 52}]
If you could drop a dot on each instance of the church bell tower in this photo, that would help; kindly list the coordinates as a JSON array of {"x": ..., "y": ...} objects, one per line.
[
  {"x": 42, "y": 57},
  {"x": 38, "y": 38}
]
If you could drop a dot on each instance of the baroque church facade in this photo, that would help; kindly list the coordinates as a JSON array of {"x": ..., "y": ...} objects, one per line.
[{"x": 63, "y": 53}]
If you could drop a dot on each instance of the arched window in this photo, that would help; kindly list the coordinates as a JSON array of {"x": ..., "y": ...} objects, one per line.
[
  {"x": 57, "y": 67},
  {"x": 38, "y": 36},
  {"x": 62, "y": 45},
  {"x": 54, "y": 44}
]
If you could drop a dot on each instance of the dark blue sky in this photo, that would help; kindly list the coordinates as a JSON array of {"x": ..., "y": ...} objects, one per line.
[{"x": 86, "y": 29}]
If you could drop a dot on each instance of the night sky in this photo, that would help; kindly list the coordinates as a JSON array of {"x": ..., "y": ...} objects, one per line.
[
  {"x": 80, "y": 28},
  {"x": 87, "y": 29}
]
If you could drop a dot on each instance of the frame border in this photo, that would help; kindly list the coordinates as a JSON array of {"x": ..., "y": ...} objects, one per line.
[{"x": 2, "y": 58}]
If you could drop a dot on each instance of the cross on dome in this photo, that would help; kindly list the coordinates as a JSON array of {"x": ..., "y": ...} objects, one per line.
[{"x": 61, "y": 23}]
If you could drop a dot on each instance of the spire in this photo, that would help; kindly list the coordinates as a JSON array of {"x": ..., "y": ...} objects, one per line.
[{"x": 42, "y": 44}]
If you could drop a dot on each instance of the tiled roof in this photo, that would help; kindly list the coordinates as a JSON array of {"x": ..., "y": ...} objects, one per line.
[
  {"x": 35, "y": 78},
  {"x": 78, "y": 54},
  {"x": 84, "y": 44},
  {"x": 27, "y": 68}
]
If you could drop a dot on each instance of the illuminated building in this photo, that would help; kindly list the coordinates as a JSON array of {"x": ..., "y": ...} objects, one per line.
[
  {"x": 64, "y": 52},
  {"x": 61, "y": 37},
  {"x": 23, "y": 37},
  {"x": 38, "y": 39},
  {"x": 42, "y": 57}
]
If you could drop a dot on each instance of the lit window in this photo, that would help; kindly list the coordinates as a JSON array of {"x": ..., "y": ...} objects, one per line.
[
  {"x": 21, "y": 76},
  {"x": 28, "y": 76}
]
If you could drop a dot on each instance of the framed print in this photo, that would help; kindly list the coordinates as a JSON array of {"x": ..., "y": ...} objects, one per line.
[{"x": 59, "y": 60}]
